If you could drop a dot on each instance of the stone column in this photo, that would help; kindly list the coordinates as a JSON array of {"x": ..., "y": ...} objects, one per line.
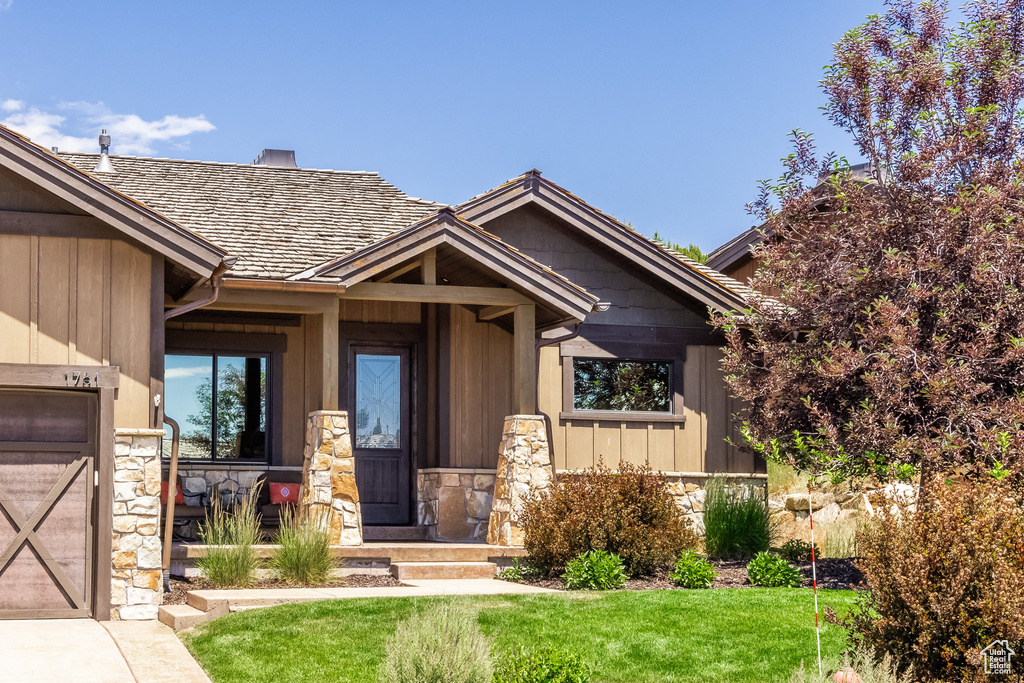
[
  {"x": 329, "y": 492},
  {"x": 524, "y": 470},
  {"x": 135, "y": 590}
]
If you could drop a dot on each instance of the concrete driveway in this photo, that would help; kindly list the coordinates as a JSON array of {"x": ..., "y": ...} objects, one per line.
[{"x": 87, "y": 651}]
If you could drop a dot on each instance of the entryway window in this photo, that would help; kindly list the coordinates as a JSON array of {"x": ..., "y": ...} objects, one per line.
[
  {"x": 622, "y": 385},
  {"x": 220, "y": 403}
]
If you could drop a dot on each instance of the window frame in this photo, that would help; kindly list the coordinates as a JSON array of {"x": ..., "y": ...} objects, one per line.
[
  {"x": 238, "y": 344},
  {"x": 625, "y": 352}
]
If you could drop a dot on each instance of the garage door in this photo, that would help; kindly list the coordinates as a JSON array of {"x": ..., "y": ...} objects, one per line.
[{"x": 47, "y": 455}]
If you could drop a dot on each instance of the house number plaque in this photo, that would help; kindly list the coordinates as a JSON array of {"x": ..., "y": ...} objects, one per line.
[{"x": 78, "y": 378}]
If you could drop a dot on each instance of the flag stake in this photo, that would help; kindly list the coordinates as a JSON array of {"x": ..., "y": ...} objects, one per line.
[{"x": 814, "y": 573}]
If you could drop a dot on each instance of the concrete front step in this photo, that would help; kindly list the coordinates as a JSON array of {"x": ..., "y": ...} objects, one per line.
[
  {"x": 181, "y": 617},
  {"x": 384, "y": 551},
  {"x": 443, "y": 570},
  {"x": 395, "y": 533}
]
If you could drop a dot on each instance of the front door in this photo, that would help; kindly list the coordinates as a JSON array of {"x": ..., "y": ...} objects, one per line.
[{"x": 380, "y": 423}]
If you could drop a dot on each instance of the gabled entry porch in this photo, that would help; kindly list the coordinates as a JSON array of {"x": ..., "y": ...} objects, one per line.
[{"x": 426, "y": 341}]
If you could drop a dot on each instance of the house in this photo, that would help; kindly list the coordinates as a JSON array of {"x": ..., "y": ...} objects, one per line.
[{"x": 417, "y": 367}]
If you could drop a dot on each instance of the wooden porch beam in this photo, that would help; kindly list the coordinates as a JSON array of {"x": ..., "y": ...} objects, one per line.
[
  {"x": 401, "y": 271},
  {"x": 492, "y": 312},
  {"x": 524, "y": 360},
  {"x": 436, "y": 294},
  {"x": 331, "y": 352},
  {"x": 430, "y": 266}
]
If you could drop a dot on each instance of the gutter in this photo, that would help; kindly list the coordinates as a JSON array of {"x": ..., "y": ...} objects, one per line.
[{"x": 284, "y": 286}]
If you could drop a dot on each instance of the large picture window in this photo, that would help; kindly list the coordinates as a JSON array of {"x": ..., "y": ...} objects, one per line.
[
  {"x": 220, "y": 403},
  {"x": 602, "y": 384}
]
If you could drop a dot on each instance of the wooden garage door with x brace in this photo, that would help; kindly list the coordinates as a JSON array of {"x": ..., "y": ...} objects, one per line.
[{"x": 47, "y": 541}]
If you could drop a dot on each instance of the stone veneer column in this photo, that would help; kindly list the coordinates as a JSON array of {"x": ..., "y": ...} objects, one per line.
[
  {"x": 524, "y": 470},
  {"x": 135, "y": 588},
  {"x": 329, "y": 491}
]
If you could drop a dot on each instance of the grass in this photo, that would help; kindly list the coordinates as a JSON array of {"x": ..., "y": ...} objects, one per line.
[
  {"x": 738, "y": 636},
  {"x": 305, "y": 556},
  {"x": 230, "y": 536}
]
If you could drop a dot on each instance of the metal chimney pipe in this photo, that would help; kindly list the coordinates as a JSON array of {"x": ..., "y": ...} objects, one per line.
[{"x": 104, "y": 165}]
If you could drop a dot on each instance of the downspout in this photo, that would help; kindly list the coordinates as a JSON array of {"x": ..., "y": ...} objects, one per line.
[{"x": 216, "y": 280}]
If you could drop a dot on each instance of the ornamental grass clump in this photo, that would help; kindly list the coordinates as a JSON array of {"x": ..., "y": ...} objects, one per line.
[
  {"x": 304, "y": 556},
  {"x": 629, "y": 513},
  {"x": 768, "y": 571},
  {"x": 439, "y": 644},
  {"x": 541, "y": 665},
  {"x": 944, "y": 580},
  {"x": 737, "y": 522},
  {"x": 229, "y": 536},
  {"x": 693, "y": 571},
  {"x": 595, "y": 570}
]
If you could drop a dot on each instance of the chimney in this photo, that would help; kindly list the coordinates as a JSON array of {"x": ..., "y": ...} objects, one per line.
[
  {"x": 104, "y": 165},
  {"x": 280, "y": 158}
]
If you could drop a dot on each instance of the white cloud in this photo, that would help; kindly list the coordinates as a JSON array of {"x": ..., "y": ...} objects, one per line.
[
  {"x": 181, "y": 373},
  {"x": 6, "y": 4},
  {"x": 130, "y": 133}
]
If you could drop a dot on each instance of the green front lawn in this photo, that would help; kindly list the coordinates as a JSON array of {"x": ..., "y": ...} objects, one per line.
[{"x": 625, "y": 636}]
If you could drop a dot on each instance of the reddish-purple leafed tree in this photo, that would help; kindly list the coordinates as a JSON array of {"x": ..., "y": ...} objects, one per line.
[{"x": 895, "y": 339}]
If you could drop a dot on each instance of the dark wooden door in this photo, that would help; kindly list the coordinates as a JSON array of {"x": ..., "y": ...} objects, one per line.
[
  {"x": 380, "y": 420},
  {"x": 47, "y": 455}
]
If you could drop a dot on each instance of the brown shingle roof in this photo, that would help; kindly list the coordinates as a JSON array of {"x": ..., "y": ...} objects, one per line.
[{"x": 279, "y": 221}]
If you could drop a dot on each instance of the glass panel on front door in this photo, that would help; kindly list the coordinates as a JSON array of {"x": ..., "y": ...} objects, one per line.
[{"x": 378, "y": 401}]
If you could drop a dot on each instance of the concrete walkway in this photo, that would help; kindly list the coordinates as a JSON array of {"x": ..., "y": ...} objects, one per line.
[
  {"x": 87, "y": 651},
  {"x": 240, "y": 599}
]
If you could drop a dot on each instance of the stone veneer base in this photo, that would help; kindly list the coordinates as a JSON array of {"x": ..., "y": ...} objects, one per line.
[
  {"x": 136, "y": 559},
  {"x": 454, "y": 503}
]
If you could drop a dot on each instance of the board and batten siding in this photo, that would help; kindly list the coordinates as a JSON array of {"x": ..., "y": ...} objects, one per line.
[
  {"x": 73, "y": 301},
  {"x": 696, "y": 445}
]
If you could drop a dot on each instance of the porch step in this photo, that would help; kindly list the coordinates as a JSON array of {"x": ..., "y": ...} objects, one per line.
[
  {"x": 443, "y": 570},
  {"x": 394, "y": 533},
  {"x": 181, "y": 617}
]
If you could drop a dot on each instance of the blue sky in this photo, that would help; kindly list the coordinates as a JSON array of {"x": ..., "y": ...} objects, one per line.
[{"x": 663, "y": 114}]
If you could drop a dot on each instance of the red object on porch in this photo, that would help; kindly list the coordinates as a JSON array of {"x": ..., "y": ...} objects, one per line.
[
  {"x": 179, "y": 495},
  {"x": 283, "y": 493}
]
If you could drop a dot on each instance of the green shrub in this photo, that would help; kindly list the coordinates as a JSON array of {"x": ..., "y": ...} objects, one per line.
[
  {"x": 629, "y": 513},
  {"x": 769, "y": 571},
  {"x": 440, "y": 644},
  {"x": 519, "y": 571},
  {"x": 305, "y": 556},
  {"x": 230, "y": 559},
  {"x": 693, "y": 571},
  {"x": 737, "y": 523},
  {"x": 595, "y": 570},
  {"x": 797, "y": 550},
  {"x": 543, "y": 665},
  {"x": 944, "y": 580}
]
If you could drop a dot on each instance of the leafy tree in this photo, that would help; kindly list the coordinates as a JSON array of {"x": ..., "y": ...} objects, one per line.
[
  {"x": 691, "y": 251},
  {"x": 230, "y": 408},
  {"x": 896, "y": 339}
]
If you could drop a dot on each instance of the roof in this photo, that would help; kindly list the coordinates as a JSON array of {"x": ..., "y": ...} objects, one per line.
[
  {"x": 704, "y": 284},
  {"x": 278, "y": 221},
  {"x": 93, "y": 197},
  {"x": 736, "y": 248},
  {"x": 506, "y": 263}
]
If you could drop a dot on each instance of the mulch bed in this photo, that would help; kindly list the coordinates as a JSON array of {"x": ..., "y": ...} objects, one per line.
[
  {"x": 832, "y": 573},
  {"x": 181, "y": 585}
]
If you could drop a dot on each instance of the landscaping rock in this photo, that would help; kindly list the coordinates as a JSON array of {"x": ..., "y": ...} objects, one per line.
[{"x": 801, "y": 502}]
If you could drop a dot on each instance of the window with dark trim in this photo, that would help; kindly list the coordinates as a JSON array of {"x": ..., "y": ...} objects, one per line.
[
  {"x": 221, "y": 402},
  {"x": 612, "y": 384}
]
